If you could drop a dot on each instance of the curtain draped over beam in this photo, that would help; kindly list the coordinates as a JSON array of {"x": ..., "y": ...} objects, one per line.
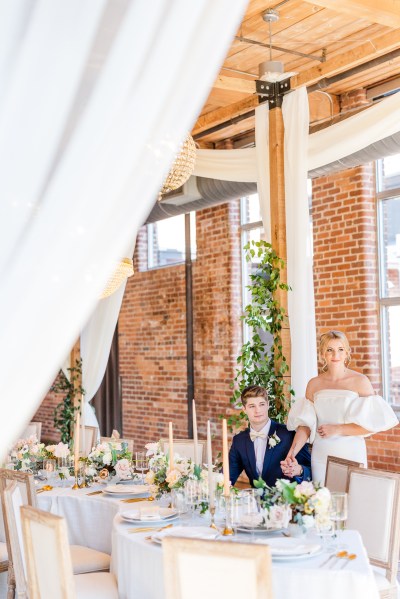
[{"x": 85, "y": 144}]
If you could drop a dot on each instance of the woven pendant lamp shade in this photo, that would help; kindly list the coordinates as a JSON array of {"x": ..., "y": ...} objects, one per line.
[
  {"x": 122, "y": 272},
  {"x": 181, "y": 168}
]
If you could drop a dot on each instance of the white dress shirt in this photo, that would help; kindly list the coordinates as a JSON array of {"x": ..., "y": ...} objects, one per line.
[{"x": 260, "y": 446}]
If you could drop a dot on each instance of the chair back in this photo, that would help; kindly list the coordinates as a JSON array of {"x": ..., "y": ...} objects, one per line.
[
  {"x": 12, "y": 503},
  {"x": 87, "y": 439},
  {"x": 119, "y": 440},
  {"x": 337, "y": 472},
  {"x": 374, "y": 510},
  {"x": 33, "y": 428},
  {"x": 221, "y": 562},
  {"x": 185, "y": 448},
  {"x": 48, "y": 559}
]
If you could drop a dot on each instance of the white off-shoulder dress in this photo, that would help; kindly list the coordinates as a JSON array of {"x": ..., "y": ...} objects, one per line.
[{"x": 340, "y": 406}]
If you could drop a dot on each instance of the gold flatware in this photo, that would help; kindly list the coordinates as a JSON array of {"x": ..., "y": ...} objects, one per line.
[
  {"x": 149, "y": 528},
  {"x": 45, "y": 488},
  {"x": 339, "y": 555},
  {"x": 348, "y": 558},
  {"x": 136, "y": 499},
  {"x": 94, "y": 493}
]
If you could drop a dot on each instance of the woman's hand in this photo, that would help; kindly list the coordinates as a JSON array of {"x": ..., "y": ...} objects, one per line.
[{"x": 328, "y": 430}]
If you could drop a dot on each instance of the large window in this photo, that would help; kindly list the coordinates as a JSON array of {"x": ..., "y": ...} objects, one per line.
[
  {"x": 166, "y": 241},
  {"x": 388, "y": 181}
]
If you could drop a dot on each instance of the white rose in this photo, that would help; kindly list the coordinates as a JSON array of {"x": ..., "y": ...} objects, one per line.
[
  {"x": 61, "y": 450},
  {"x": 173, "y": 477},
  {"x": 107, "y": 459},
  {"x": 50, "y": 448},
  {"x": 304, "y": 489},
  {"x": 152, "y": 448},
  {"x": 123, "y": 468},
  {"x": 149, "y": 478},
  {"x": 322, "y": 500}
]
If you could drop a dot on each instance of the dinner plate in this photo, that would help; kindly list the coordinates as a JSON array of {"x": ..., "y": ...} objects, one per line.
[
  {"x": 286, "y": 549},
  {"x": 188, "y": 532},
  {"x": 126, "y": 489},
  {"x": 162, "y": 514},
  {"x": 259, "y": 529}
]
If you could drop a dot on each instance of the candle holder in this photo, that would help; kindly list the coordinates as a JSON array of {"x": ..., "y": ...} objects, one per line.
[
  {"x": 76, "y": 485},
  {"x": 228, "y": 530},
  {"x": 212, "y": 513}
]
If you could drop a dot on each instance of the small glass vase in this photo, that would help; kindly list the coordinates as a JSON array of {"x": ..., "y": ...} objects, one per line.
[{"x": 296, "y": 530}]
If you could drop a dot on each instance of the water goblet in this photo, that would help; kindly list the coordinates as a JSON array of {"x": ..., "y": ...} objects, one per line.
[
  {"x": 192, "y": 494},
  {"x": 251, "y": 516},
  {"x": 49, "y": 468},
  {"x": 178, "y": 500},
  {"x": 338, "y": 513},
  {"x": 141, "y": 463}
]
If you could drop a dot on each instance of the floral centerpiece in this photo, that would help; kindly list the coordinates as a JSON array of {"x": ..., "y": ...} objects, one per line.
[
  {"x": 161, "y": 478},
  {"x": 27, "y": 452},
  {"x": 306, "y": 503},
  {"x": 110, "y": 459}
]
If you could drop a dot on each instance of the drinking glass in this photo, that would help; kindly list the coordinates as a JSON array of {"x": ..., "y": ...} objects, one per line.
[
  {"x": 178, "y": 500},
  {"x": 250, "y": 510},
  {"x": 49, "y": 468},
  {"x": 141, "y": 463},
  {"x": 338, "y": 513},
  {"x": 192, "y": 494}
]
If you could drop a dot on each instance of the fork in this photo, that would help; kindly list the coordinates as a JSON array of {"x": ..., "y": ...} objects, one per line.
[
  {"x": 348, "y": 558},
  {"x": 148, "y": 528}
]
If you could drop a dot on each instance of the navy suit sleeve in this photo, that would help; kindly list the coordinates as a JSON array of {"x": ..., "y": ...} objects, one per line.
[
  {"x": 235, "y": 462},
  {"x": 304, "y": 459}
]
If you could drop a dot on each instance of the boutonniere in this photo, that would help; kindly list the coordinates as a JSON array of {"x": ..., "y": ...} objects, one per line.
[{"x": 273, "y": 440}]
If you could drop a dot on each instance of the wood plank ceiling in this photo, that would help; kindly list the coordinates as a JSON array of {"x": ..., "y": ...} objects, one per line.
[{"x": 337, "y": 36}]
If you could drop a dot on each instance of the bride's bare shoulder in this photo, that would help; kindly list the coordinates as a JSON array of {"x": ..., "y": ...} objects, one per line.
[
  {"x": 360, "y": 383},
  {"x": 313, "y": 386}
]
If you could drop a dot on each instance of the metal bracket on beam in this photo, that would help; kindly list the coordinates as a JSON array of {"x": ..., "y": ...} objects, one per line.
[{"x": 272, "y": 92}]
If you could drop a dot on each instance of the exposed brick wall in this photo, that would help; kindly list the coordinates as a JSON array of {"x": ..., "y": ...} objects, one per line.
[
  {"x": 152, "y": 332},
  {"x": 45, "y": 415}
]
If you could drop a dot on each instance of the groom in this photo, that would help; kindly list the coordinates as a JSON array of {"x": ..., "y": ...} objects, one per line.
[{"x": 260, "y": 449}]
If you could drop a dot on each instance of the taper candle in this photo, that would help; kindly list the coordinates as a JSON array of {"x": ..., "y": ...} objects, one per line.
[
  {"x": 195, "y": 439},
  {"x": 210, "y": 468},
  {"x": 171, "y": 448},
  {"x": 76, "y": 440},
  {"x": 225, "y": 458}
]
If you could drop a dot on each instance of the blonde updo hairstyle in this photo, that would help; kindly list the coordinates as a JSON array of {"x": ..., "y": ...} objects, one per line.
[{"x": 324, "y": 341}]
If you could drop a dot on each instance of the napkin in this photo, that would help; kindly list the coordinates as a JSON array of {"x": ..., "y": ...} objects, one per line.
[
  {"x": 251, "y": 519},
  {"x": 296, "y": 550},
  {"x": 192, "y": 532}
]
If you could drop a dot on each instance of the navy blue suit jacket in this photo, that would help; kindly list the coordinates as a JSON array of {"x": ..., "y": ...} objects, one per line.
[{"x": 242, "y": 456}]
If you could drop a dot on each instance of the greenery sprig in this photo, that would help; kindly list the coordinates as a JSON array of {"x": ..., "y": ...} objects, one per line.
[
  {"x": 258, "y": 362},
  {"x": 66, "y": 411}
]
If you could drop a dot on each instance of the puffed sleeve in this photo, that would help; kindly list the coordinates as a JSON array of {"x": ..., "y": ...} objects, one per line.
[
  {"x": 302, "y": 413},
  {"x": 372, "y": 413}
]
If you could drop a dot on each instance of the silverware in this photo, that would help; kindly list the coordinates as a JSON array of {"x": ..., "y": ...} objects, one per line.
[
  {"x": 45, "y": 488},
  {"x": 338, "y": 555},
  {"x": 348, "y": 558},
  {"x": 135, "y": 499},
  {"x": 149, "y": 528},
  {"x": 94, "y": 493}
]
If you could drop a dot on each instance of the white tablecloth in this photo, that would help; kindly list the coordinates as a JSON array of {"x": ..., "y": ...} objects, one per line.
[{"x": 137, "y": 563}]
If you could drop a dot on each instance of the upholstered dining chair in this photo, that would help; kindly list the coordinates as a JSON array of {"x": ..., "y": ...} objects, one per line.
[
  {"x": 337, "y": 472},
  {"x": 220, "y": 562},
  {"x": 374, "y": 510},
  {"x": 33, "y": 428},
  {"x": 185, "y": 448},
  {"x": 119, "y": 440},
  {"x": 48, "y": 562},
  {"x": 88, "y": 439},
  {"x": 84, "y": 559}
]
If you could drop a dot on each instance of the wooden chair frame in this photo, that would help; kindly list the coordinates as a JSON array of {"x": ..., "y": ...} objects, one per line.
[
  {"x": 341, "y": 461},
  {"x": 7, "y": 477},
  {"x": 119, "y": 440},
  {"x": 92, "y": 432},
  {"x": 173, "y": 547},
  {"x": 391, "y": 564},
  {"x": 15, "y": 544},
  {"x": 58, "y": 525},
  {"x": 177, "y": 442}
]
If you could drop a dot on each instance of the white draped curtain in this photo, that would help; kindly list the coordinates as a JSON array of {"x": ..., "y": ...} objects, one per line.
[{"x": 95, "y": 98}]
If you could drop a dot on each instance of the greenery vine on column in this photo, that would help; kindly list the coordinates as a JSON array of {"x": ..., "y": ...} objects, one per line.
[
  {"x": 66, "y": 411},
  {"x": 259, "y": 364}
]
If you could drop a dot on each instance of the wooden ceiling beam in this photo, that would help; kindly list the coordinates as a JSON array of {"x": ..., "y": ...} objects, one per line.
[
  {"x": 235, "y": 84},
  {"x": 338, "y": 64},
  {"x": 384, "y": 12}
]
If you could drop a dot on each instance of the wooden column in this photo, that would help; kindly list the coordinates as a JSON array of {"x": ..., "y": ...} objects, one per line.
[
  {"x": 278, "y": 214},
  {"x": 75, "y": 357}
]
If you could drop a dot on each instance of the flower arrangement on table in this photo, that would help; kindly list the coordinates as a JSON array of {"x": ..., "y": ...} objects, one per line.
[
  {"x": 28, "y": 453},
  {"x": 109, "y": 459},
  {"x": 306, "y": 504}
]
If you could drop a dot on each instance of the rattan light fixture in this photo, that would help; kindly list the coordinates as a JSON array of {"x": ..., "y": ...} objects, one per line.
[
  {"x": 123, "y": 271},
  {"x": 181, "y": 168}
]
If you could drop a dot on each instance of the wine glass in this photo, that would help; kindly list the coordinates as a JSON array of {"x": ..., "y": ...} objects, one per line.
[
  {"x": 192, "y": 494},
  {"x": 338, "y": 512},
  {"x": 251, "y": 516},
  {"x": 141, "y": 463},
  {"x": 49, "y": 468}
]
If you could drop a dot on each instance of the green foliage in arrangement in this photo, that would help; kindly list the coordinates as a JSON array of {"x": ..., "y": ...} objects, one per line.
[
  {"x": 65, "y": 412},
  {"x": 259, "y": 364}
]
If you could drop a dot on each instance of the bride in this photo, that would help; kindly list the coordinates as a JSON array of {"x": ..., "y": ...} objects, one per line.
[{"x": 340, "y": 409}]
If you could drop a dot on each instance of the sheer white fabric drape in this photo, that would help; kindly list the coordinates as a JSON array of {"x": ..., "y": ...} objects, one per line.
[{"x": 95, "y": 99}]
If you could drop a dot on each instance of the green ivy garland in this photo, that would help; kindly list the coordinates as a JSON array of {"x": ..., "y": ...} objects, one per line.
[{"x": 65, "y": 412}]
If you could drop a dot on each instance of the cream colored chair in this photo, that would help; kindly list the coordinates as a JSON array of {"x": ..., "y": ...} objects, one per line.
[
  {"x": 374, "y": 510},
  {"x": 33, "y": 428},
  {"x": 84, "y": 559},
  {"x": 220, "y": 564},
  {"x": 88, "y": 439},
  {"x": 118, "y": 440},
  {"x": 185, "y": 448},
  {"x": 337, "y": 472},
  {"x": 48, "y": 562}
]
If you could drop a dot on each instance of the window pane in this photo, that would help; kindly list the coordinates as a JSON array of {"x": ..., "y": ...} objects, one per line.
[
  {"x": 391, "y": 338},
  {"x": 390, "y": 250},
  {"x": 251, "y": 210},
  {"x": 166, "y": 241},
  {"x": 389, "y": 173}
]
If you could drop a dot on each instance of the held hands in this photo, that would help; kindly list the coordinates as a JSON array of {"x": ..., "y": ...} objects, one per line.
[{"x": 290, "y": 466}]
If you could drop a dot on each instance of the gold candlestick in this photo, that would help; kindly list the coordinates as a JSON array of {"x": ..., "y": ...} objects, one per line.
[
  {"x": 212, "y": 513},
  {"x": 76, "y": 485},
  {"x": 228, "y": 530}
]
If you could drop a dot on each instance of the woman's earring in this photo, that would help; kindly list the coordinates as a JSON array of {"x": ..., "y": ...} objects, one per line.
[
  {"x": 324, "y": 366},
  {"x": 347, "y": 361}
]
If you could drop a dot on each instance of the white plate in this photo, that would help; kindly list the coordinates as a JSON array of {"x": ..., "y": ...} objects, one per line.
[
  {"x": 164, "y": 513},
  {"x": 126, "y": 489},
  {"x": 189, "y": 532},
  {"x": 259, "y": 529},
  {"x": 286, "y": 549}
]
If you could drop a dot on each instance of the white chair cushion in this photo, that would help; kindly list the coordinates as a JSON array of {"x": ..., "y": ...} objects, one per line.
[
  {"x": 85, "y": 560},
  {"x": 96, "y": 586},
  {"x": 3, "y": 552}
]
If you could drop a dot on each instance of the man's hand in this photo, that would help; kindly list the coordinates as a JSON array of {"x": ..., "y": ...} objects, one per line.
[
  {"x": 328, "y": 430},
  {"x": 290, "y": 467}
]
